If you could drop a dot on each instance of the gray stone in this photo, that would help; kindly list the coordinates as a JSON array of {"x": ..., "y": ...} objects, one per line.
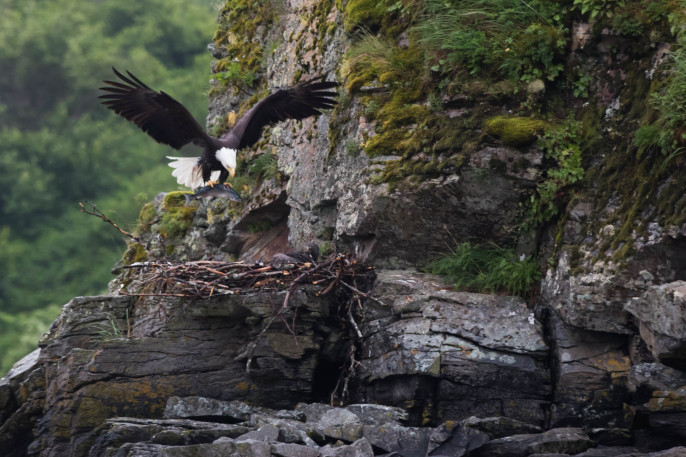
[
  {"x": 661, "y": 313},
  {"x": 115, "y": 433},
  {"x": 266, "y": 433},
  {"x": 498, "y": 427},
  {"x": 603, "y": 451},
  {"x": 371, "y": 414},
  {"x": 611, "y": 436},
  {"x": 313, "y": 411},
  {"x": 221, "y": 447},
  {"x": 20, "y": 370},
  {"x": 485, "y": 352},
  {"x": 455, "y": 442},
  {"x": 176, "y": 348},
  {"x": 341, "y": 424},
  {"x": 294, "y": 450},
  {"x": 588, "y": 300},
  {"x": 360, "y": 448},
  {"x": 291, "y": 431},
  {"x": 22, "y": 401},
  {"x": 406, "y": 441},
  {"x": 674, "y": 452},
  {"x": 190, "y": 407},
  {"x": 559, "y": 440},
  {"x": 585, "y": 360},
  {"x": 655, "y": 376}
]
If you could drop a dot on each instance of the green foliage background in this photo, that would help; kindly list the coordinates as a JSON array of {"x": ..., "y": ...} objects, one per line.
[{"x": 59, "y": 146}]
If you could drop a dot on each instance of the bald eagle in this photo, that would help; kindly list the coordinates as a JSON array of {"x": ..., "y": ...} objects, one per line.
[{"x": 167, "y": 121}]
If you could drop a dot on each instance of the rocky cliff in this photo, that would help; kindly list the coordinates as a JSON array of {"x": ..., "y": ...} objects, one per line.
[{"x": 394, "y": 361}]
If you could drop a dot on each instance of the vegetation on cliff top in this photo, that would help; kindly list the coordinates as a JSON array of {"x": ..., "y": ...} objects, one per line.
[{"x": 407, "y": 66}]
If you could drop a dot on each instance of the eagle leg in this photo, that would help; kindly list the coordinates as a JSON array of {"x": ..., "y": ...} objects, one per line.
[{"x": 223, "y": 174}]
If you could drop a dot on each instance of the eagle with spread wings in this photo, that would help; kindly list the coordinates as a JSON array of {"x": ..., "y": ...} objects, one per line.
[{"x": 168, "y": 122}]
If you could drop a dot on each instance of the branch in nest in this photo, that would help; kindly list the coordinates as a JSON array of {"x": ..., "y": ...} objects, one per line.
[{"x": 359, "y": 292}]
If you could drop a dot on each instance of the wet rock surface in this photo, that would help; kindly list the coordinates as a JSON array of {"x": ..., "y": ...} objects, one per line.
[
  {"x": 249, "y": 436},
  {"x": 471, "y": 352},
  {"x": 437, "y": 372}
]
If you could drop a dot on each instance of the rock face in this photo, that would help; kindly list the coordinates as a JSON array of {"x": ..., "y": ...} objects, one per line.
[
  {"x": 594, "y": 365},
  {"x": 463, "y": 374},
  {"x": 455, "y": 354},
  {"x": 661, "y": 315}
]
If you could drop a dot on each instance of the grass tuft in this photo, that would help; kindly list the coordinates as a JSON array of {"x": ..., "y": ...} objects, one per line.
[{"x": 487, "y": 268}]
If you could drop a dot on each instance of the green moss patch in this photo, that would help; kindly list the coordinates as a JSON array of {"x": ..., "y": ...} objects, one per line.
[
  {"x": 174, "y": 200},
  {"x": 135, "y": 252},
  {"x": 237, "y": 32},
  {"x": 176, "y": 222},
  {"x": 515, "y": 131},
  {"x": 370, "y": 14},
  {"x": 176, "y": 216},
  {"x": 146, "y": 218}
]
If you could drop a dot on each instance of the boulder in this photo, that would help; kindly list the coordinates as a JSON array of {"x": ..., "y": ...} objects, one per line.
[
  {"x": 565, "y": 441},
  {"x": 477, "y": 354},
  {"x": 661, "y": 314},
  {"x": 585, "y": 363}
]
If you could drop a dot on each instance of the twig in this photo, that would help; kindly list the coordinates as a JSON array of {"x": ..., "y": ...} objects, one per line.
[
  {"x": 94, "y": 211},
  {"x": 252, "y": 346},
  {"x": 358, "y": 291},
  {"x": 354, "y": 324},
  {"x": 294, "y": 284},
  {"x": 155, "y": 295}
]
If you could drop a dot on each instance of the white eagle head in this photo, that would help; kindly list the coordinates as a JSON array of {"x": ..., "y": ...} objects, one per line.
[{"x": 227, "y": 157}]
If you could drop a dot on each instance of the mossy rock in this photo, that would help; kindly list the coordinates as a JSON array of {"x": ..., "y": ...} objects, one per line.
[
  {"x": 134, "y": 253},
  {"x": 354, "y": 84},
  {"x": 147, "y": 214},
  {"x": 146, "y": 217},
  {"x": 365, "y": 13},
  {"x": 239, "y": 22},
  {"x": 176, "y": 199},
  {"x": 515, "y": 131},
  {"x": 395, "y": 115},
  {"x": 176, "y": 221},
  {"x": 176, "y": 216},
  {"x": 384, "y": 143}
]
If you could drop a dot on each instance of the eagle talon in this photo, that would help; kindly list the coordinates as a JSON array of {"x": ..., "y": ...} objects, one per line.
[{"x": 212, "y": 183}]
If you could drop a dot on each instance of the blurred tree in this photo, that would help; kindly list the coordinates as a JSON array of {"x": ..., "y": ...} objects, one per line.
[{"x": 59, "y": 146}]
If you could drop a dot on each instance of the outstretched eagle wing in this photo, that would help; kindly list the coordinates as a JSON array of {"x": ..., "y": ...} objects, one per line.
[
  {"x": 156, "y": 113},
  {"x": 304, "y": 100}
]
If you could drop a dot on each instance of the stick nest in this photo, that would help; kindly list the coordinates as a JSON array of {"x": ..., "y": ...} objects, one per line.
[{"x": 208, "y": 278}]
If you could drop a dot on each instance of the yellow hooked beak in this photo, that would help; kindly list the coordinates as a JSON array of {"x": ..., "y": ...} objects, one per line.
[{"x": 232, "y": 171}]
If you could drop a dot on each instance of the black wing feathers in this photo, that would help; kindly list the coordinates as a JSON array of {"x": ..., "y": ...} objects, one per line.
[
  {"x": 299, "y": 102},
  {"x": 156, "y": 113},
  {"x": 169, "y": 122}
]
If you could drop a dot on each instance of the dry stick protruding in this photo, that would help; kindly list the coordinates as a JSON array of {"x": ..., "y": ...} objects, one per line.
[{"x": 94, "y": 211}]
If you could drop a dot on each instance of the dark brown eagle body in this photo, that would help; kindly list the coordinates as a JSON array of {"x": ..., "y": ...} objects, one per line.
[{"x": 167, "y": 121}]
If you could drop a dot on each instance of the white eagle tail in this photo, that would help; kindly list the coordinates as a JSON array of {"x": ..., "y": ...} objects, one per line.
[{"x": 188, "y": 172}]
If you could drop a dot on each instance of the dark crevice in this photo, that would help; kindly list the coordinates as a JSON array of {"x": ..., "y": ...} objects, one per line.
[
  {"x": 325, "y": 378},
  {"x": 216, "y": 419}
]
